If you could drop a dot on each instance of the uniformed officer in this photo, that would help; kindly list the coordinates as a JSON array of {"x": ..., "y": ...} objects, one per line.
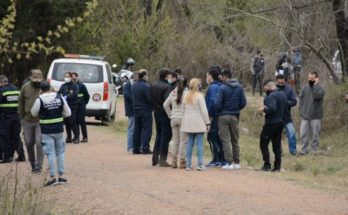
[
  {"x": 69, "y": 90},
  {"x": 10, "y": 127},
  {"x": 50, "y": 107},
  {"x": 83, "y": 98}
]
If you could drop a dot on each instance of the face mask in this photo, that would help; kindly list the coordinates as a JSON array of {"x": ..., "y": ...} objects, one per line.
[
  {"x": 280, "y": 86},
  {"x": 36, "y": 85},
  {"x": 311, "y": 83},
  {"x": 67, "y": 80},
  {"x": 169, "y": 81}
]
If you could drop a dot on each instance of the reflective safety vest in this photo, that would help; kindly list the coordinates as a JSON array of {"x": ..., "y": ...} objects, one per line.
[
  {"x": 51, "y": 117},
  {"x": 9, "y": 99}
]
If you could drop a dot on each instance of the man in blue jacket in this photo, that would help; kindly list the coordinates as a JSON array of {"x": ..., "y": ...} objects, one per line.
[
  {"x": 143, "y": 114},
  {"x": 275, "y": 107},
  {"x": 292, "y": 101},
  {"x": 129, "y": 109},
  {"x": 230, "y": 101},
  {"x": 213, "y": 134}
]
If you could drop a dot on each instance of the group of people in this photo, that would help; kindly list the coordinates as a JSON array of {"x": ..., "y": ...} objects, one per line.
[
  {"x": 41, "y": 113},
  {"x": 182, "y": 114},
  {"x": 288, "y": 65}
]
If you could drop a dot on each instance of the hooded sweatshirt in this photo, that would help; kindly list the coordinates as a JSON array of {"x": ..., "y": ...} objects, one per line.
[{"x": 230, "y": 99}]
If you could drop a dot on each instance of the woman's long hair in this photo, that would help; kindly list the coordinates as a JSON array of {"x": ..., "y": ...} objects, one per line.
[
  {"x": 193, "y": 90},
  {"x": 181, "y": 88}
]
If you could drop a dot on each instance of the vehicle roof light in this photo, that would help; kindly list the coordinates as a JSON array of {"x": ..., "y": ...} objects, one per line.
[{"x": 78, "y": 56}]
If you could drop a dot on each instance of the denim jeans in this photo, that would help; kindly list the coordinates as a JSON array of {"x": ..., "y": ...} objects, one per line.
[
  {"x": 291, "y": 133},
  {"x": 214, "y": 142},
  {"x": 191, "y": 141},
  {"x": 163, "y": 137},
  {"x": 53, "y": 146},
  {"x": 130, "y": 132}
]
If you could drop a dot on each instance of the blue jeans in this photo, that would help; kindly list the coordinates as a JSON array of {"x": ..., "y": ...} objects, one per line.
[
  {"x": 130, "y": 133},
  {"x": 191, "y": 141},
  {"x": 214, "y": 142},
  {"x": 53, "y": 146},
  {"x": 291, "y": 133}
]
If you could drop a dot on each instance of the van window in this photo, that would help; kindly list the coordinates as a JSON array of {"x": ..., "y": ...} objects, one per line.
[
  {"x": 88, "y": 73},
  {"x": 108, "y": 71}
]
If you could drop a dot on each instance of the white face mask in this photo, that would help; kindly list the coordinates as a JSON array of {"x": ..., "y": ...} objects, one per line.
[{"x": 67, "y": 80}]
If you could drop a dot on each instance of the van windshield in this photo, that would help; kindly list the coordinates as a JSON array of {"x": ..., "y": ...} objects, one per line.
[{"x": 88, "y": 73}]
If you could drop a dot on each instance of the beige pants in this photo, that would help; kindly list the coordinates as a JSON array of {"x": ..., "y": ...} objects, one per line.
[{"x": 179, "y": 139}]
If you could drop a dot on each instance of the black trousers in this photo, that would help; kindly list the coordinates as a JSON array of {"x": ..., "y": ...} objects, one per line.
[
  {"x": 163, "y": 137},
  {"x": 81, "y": 115},
  {"x": 257, "y": 80},
  {"x": 142, "y": 132},
  {"x": 71, "y": 123},
  {"x": 271, "y": 132},
  {"x": 10, "y": 129}
]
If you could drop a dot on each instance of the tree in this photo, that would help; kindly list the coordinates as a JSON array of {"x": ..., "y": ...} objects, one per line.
[
  {"x": 341, "y": 21},
  {"x": 31, "y": 32}
]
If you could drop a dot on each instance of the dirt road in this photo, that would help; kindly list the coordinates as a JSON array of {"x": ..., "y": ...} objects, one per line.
[{"x": 105, "y": 179}]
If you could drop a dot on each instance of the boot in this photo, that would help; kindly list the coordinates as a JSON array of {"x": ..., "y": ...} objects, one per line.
[
  {"x": 174, "y": 163},
  {"x": 182, "y": 164}
]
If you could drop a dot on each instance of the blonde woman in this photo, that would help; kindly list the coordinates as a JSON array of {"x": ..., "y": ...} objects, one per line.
[
  {"x": 195, "y": 122},
  {"x": 173, "y": 108}
]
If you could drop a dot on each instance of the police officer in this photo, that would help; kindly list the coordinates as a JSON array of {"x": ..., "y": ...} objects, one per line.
[
  {"x": 83, "y": 98},
  {"x": 69, "y": 90},
  {"x": 50, "y": 107},
  {"x": 10, "y": 123}
]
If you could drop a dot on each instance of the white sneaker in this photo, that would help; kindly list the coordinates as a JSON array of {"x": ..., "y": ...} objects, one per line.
[
  {"x": 189, "y": 168},
  {"x": 227, "y": 166},
  {"x": 236, "y": 166},
  {"x": 201, "y": 168}
]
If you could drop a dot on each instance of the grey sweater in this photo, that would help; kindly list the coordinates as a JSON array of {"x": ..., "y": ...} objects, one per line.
[{"x": 311, "y": 102}]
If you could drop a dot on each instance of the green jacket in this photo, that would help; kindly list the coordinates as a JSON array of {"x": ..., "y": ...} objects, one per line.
[{"x": 26, "y": 101}]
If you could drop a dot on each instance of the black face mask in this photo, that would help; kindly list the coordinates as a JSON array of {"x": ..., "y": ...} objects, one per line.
[
  {"x": 268, "y": 92},
  {"x": 280, "y": 86},
  {"x": 36, "y": 85},
  {"x": 311, "y": 83}
]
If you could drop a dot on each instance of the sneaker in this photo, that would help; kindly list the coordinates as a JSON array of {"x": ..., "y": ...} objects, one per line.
[
  {"x": 201, "y": 168},
  {"x": 147, "y": 152},
  {"x": 228, "y": 166},
  {"x": 68, "y": 140},
  {"x": 7, "y": 160},
  {"x": 265, "y": 168},
  {"x": 164, "y": 164},
  {"x": 84, "y": 140},
  {"x": 293, "y": 153},
  {"x": 211, "y": 164},
  {"x": 236, "y": 166},
  {"x": 76, "y": 140},
  {"x": 189, "y": 168},
  {"x": 276, "y": 169},
  {"x": 51, "y": 182},
  {"x": 62, "y": 180}
]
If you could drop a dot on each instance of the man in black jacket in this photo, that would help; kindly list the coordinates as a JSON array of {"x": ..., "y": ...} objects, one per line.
[
  {"x": 160, "y": 90},
  {"x": 275, "y": 107},
  {"x": 83, "y": 99}
]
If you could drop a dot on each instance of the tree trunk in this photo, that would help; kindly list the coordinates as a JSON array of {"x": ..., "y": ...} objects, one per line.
[{"x": 342, "y": 31}]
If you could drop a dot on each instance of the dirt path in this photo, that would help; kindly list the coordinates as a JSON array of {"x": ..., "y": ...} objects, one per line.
[{"x": 105, "y": 179}]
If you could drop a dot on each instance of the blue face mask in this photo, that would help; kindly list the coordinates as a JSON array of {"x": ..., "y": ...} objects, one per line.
[{"x": 169, "y": 81}]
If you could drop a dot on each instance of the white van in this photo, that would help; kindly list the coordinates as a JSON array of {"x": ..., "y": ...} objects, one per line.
[{"x": 95, "y": 73}]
